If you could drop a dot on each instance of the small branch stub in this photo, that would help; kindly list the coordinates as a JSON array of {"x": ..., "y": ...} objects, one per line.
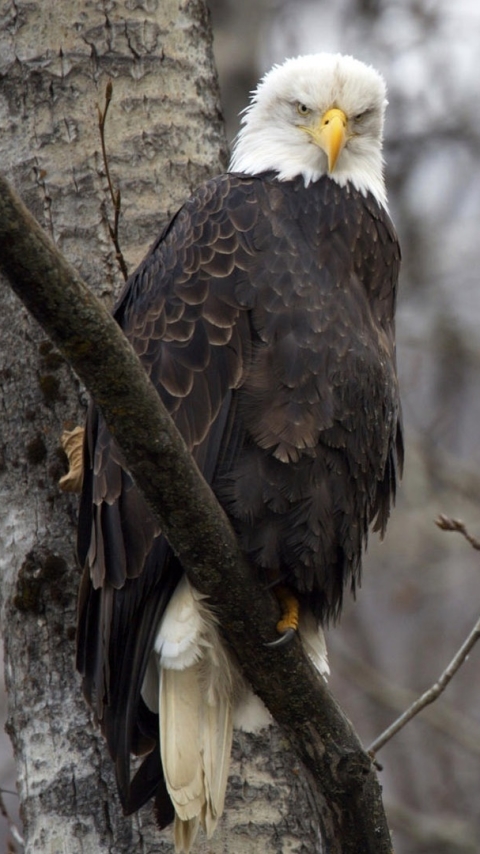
[
  {"x": 445, "y": 523},
  {"x": 114, "y": 194}
]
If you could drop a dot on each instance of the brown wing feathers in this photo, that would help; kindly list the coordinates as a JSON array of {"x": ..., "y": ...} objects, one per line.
[{"x": 264, "y": 317}]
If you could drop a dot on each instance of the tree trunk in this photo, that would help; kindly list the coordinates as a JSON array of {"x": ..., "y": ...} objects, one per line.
[{"x": 164, "y": 136}]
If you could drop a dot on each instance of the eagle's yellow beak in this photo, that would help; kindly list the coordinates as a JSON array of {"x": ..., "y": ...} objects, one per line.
[{"x": 331, "y": 135}]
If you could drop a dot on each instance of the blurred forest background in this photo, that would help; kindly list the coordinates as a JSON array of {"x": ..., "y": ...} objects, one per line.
[{"x": 421, "y": 588}]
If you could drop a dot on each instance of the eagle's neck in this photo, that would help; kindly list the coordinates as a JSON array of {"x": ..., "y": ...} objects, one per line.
[{"x": 363, "y": 168}]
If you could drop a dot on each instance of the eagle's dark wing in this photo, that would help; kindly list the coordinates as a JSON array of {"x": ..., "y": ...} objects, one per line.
[
  {"x": 264, "y": 317},
  {"x": 319, "y": 402},
  {"x": 183, "y": 315}
]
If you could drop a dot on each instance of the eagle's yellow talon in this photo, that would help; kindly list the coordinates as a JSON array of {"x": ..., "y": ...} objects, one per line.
[
  {"x": 290, "y": 610},
  {"x": 72, "y": 443}
]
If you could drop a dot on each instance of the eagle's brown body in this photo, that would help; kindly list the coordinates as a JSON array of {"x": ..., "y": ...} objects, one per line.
[{"x": 265, "y": 317}]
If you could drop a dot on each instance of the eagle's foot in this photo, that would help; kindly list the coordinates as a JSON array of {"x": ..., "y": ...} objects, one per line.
[
  {"x": 284, "y": 639},
  {"x": 290, "y": 609},
  {"x": 288, "y": 625},
  {"x": 72, "y": 443}
]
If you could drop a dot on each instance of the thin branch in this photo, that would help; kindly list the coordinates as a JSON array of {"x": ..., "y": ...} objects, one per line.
[
  {"x": 445, "y": 523},
  {"x": 115, "y": 194},
  {"x": 443, "y": 718},
  {"x": 344, "y": 783},
  {"x": 431, "y": 695}
]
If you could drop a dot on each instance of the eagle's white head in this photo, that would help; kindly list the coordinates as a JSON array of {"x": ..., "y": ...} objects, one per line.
[{"x": 316, "y": 115}]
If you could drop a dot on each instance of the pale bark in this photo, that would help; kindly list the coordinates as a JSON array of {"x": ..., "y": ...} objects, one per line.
[{"x": 164, "y": 136}]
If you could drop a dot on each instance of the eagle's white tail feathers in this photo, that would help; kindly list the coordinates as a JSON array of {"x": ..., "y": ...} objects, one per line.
[
  {"x": 200, "y": 695},
  {"x": 196, "y": 692},
  {"x": 180, "y": 737},
  {"x": 181, "y": 634},
  {"x": 313, "y": 641},
  {"x": 184, "y": 833},
  {"x": 250, "y": 714},
  {"x": 217, "y": 747}
]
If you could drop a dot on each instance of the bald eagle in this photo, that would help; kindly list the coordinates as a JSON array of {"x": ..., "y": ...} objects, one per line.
[{"x": 264, "y": 316}]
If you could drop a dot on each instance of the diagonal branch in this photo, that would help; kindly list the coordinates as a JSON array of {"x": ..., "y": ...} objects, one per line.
[{"x": 343, "y": 780}]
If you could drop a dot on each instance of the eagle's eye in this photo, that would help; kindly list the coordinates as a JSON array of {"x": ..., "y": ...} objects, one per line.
[
  {"x": 303, "y": 110},
  {"x": 363, "y": 115}
]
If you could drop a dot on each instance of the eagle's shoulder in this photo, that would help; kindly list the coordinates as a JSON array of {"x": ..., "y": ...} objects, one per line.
[{"x": 206, "y": 230}]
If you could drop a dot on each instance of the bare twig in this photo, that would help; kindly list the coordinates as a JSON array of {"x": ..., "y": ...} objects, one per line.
[
  {"x": 445, "y": 523},
  {"x": 115, "y": 194},
  {"x": 432, "y": 693},
  {"x": 443, "y": 718}
]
